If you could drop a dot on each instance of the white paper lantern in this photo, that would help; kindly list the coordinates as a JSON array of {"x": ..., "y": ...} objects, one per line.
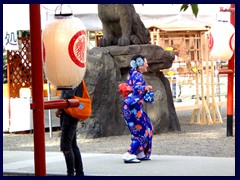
[
  {"x": 222, "y": 41},
  {"x": 232, "y": 44},
  {"x": 64, "y": 51}
]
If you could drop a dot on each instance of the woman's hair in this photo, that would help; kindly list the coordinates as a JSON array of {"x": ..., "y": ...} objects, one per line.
[
  {"x": 137, "y": 61},
  {"x": 136, "y": 56}
]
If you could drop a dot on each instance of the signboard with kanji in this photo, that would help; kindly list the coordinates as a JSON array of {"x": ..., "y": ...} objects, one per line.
[{"x": 11, "y": 41}]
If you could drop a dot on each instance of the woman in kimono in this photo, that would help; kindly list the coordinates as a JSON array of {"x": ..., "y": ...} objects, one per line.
[{"x": 136, "y": 119}]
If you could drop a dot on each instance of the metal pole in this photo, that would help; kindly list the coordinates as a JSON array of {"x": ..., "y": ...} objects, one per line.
[
  {"x": 49, "y": 111},
  {"x": 218, "y": 86},
  {"x": 230, "y": 84},
  {"x": 37, "y": 90}
]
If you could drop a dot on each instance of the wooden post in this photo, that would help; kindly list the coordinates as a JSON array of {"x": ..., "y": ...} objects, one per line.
[
  {"x": 214, "y": 104},
  {"x": 205, "y": 108},
  {"x": 196, "y": 111},
  {"x": 37, "y": 90},
  {"x": 204, "y": 49},
  {"x": 231, "y": 84}
]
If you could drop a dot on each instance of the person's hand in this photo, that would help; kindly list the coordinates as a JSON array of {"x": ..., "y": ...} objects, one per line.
[
  {"x": 148, "y": 87},
  {"x": 58, "y": 112}
]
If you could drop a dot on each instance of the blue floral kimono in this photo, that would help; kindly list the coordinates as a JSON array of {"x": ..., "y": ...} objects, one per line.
[{"x": 136, "y": 119}]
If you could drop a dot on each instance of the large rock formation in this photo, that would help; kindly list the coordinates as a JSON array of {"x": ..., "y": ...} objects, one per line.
[{"x": 106, "y": 68}]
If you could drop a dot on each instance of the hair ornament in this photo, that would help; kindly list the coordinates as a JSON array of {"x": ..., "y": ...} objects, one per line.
[
  {"x": 139, "y": 62},
  {"x": 133, "y": 64}
]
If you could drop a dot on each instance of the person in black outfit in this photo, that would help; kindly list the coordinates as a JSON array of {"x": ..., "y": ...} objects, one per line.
[{"x": 68, "y": 144}]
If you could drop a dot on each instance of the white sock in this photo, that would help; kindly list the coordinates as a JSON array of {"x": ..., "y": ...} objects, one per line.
[{"x": 141, "y": 155}]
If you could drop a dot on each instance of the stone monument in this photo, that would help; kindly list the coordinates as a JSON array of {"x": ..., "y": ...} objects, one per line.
[{"x": 108, "y": 65}]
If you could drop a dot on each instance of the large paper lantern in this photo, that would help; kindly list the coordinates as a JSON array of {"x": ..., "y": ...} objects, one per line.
[
  {"x": 222, "y": 41},
  {"x": 64, "y": 51}
]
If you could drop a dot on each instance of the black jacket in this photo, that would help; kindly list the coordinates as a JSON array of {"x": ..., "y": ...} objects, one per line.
[{"x": 68, "y": 94}]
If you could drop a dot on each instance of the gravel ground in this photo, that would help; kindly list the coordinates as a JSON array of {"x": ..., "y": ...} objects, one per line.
[{"x": 192, "y": 140}]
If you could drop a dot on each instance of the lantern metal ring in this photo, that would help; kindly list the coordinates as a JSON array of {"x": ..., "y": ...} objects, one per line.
[{"x": 60, "y": 8}]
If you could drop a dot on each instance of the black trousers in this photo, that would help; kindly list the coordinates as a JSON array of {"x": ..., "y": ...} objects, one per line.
[{"x": 69, "y": 145}]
